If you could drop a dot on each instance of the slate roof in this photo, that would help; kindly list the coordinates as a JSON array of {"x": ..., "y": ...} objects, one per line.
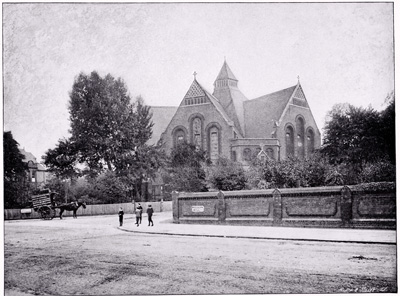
[
  {"x": 162, "y": 116},
  {"x": 28, "y": 156},
  {"x": 261, "y": 113},
  {"x": 225, "y": 73},
  {"x": 219, "y": 107}
]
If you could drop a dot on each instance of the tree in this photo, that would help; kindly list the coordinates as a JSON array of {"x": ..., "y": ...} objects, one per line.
[
  {"x": 388, "y": 128},
  {"x": 15, "y": 188},
  {"x": 108, "y": 188},
  {"x": 226, "y": 175},
  {"x": 62, "y": 160},
  {"x": 349, "y": 136},
  {"x": 103, "y": 121},
  {"x": 186, "y": 168},
  {"x": 108, "y": 134},
  {"x": 14, "y": 167}
]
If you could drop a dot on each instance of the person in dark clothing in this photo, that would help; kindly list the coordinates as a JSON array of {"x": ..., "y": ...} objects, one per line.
[
  {"x": 138, "y": 213},
  {"x": 121, "y": 216},
  {"x": 150, "y": 212},
  {"x": 139, "y": 207}
]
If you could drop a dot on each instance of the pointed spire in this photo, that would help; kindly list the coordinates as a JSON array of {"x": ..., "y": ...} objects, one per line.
[
  {"x": 225, "y": 73},
  {"x": 298, "y": 79},
  {"x": 194, "y": 74}
]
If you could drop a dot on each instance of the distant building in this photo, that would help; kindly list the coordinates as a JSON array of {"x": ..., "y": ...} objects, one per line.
[
  {"x": 226, "y": 123},
  {"x": 37, "y": 173}
]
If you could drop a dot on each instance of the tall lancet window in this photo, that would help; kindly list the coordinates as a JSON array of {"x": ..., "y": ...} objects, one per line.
[
  {"x": 300, "y": 137},
  {"x": 310, "y": 141},
  {"x": 196, "y": 128},
  {"x": 214, "y": 143},
  {"x": 289, "y": 141}
]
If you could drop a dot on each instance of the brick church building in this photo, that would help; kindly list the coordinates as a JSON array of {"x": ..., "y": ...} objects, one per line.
[{"x": 226, "y": 123}]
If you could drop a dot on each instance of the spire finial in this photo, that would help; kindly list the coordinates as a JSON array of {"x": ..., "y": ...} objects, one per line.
[
  {"x": 298, "y": 79},
  {"x": 194, "y": 74}
]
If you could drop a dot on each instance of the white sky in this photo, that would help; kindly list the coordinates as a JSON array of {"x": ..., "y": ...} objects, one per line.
[{"x": 343, "y": 52}]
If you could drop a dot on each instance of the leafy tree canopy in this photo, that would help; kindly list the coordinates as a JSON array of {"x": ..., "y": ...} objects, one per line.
[
  {"x": 389, "y": 127},
  {"x": 350, "y": 133},
  {"x": 16, "y": 190},
  {"x": 104, "y": 123},
  {"x": 62, "y": 160},
  {"x": 186, "y": 168},
  {"x": 227, "y": 175},
  {"x": 108, "y": 132},
  {"x": 14, "y": 166}
]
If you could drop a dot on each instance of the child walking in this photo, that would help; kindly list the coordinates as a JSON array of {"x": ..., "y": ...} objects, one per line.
[
  {"x": 121, "y": 216},
  {"x": 150, "y": 212},
  {"x": 141, "y": 212},
  {"x": 138, "y": 214}
]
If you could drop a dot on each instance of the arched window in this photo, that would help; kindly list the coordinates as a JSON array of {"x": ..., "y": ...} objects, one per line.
[
  {"x": 214, "y": 143},
  {"x": 310, "y": 141},
  {"x": 289, "y": 141},
  {"x": 179, "y": 136},
  {"x": 247, "y": 154},
  {"x": 300, "y": 137},
  {"x": 197, "y": 132}
]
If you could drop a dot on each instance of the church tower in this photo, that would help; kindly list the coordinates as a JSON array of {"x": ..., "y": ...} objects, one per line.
[{"x": 230, "y": 97}]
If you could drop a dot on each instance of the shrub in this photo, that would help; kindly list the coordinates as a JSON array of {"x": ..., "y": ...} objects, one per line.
[
  {"x": 226, "y": 175},
  {"x": 375, "y": 186},
  {"x": 380, "y": 171}
]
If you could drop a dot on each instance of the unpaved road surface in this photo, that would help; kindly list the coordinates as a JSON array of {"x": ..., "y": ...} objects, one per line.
[{"x": 91, "y": 256}]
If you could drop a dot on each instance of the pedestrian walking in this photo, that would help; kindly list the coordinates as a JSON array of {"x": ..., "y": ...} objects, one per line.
[
  {"x": 150, "y": 212},
  {"x": 121, "y": 216},
  {"x": 141, "y": 212},
  {"x": 138, "y": 214}
]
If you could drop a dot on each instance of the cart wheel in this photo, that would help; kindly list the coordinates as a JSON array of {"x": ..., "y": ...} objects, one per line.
[{"x": 45, "y": 212}]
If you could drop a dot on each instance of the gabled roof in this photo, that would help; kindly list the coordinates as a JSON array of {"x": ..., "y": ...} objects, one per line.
[
  {"x": 225, "y": 73},
  {"x": 28, "y": 156},
  {"x": 195, "y": 90},
  {"x": 269, "y": 106},
  {"x": 161, "y": 118},
  {"x": 215, "y": 102}
]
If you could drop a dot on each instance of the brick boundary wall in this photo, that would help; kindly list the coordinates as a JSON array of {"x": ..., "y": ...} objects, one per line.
[
  {"x": 338, "y": 206},
  {"x": 91, "y": 210}
]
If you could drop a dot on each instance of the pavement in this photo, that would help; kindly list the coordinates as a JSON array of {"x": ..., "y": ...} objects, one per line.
[{"x": 163, "y": 224}]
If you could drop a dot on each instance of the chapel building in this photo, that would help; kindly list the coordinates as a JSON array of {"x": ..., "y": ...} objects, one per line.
[{"x": 226, "y": 123}]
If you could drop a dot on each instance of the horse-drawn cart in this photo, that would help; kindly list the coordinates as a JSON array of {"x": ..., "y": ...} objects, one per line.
[{"x": 43, "y": 203}]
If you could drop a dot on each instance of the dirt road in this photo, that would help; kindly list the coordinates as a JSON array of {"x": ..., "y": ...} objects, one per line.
[{"x": 90, "y": 256}]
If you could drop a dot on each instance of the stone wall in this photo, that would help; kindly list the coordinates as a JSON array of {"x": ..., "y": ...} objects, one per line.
[{"x": 298, "y": 207}]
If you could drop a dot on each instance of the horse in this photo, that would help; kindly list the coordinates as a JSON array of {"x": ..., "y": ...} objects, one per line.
[{"x": 73, "y": 206}]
